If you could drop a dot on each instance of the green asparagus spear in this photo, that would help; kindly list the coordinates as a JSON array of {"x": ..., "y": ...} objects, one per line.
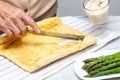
[
  {"x": 107, "y": 72},
  {"x": 87, "y": 65},
  {"x": 103, "y": 64},
  {"x": 92, "y": 59},
  {"x": 109, "y": 57},
  {"x": 110, "y": 66},
  {"x": 116, "y": 54},
  {"x": 91, "y": 64}
]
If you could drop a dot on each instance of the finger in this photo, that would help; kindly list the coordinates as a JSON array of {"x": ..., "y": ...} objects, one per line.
[
  {"x": 6, "y": 30},
  {"x": 21, "y": 26},
  {"x": 31, "y": 23},
  {"x": 4, "y": 27},
  {"x": 13, "y": 27}
]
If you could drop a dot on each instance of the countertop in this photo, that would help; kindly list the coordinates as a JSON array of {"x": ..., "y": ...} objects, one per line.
[{"x": 113, "y": 24}]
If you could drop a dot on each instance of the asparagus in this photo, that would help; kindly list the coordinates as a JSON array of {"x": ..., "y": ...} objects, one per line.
[
  {"x": 103, "y": 64},
  {"x": 91, "y": 64},
  {"x": 110, "y": 66},
  {"x": 109, "y": 57},
  {"x": 107, "y": 72},
  {"x": 92, "y": 59},
  {"x": 88, "y": 65}
]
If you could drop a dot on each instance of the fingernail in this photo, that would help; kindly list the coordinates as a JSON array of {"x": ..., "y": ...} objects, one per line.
[{"x": 38, "y": 31}]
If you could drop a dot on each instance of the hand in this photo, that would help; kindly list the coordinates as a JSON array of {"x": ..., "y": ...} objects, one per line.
[{"x": 13, "y": 20}]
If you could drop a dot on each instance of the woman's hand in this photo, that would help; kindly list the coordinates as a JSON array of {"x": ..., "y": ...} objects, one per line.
[{"x": 13, "y": 20}]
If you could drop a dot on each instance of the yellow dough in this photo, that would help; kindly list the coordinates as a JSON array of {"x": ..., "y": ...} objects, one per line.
[{"x": 32, "y": 52}]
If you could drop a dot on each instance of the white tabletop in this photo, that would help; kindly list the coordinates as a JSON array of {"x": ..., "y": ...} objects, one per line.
[{"x": 113, "y": 24}]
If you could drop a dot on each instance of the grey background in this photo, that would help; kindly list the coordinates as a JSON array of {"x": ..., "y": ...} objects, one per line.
[{"x": 75, "y": 7}]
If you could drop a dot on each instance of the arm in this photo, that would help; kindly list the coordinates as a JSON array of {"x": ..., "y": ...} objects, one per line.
[{"x": 13, "y": 20}]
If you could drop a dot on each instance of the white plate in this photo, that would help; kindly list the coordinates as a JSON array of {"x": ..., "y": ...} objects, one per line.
[{"x": 79, "y": 63}]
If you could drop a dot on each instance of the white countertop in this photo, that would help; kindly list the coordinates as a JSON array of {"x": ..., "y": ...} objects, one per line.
[
  {"x": 67, "y": 73},
  {"x": 63, "y": 69}
]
